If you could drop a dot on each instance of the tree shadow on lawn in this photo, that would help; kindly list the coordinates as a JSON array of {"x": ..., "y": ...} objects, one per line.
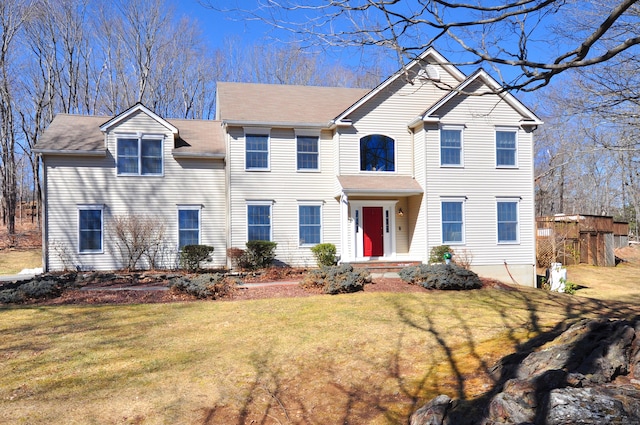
[{"x": 461, "y": 367}]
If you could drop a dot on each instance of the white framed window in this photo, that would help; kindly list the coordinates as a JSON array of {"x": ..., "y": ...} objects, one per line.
[
  {"x": 452, "y": 219},
  {"x": 507, "y": 220},
  {"x": 377, "y": 153},
  {"x": 90, "y": 229},
  {"x": 506, "y": 147},
  {"x": 139, "y": 155},
  {"x": 256, "y": 149},
  {"x": 189, "y": 225},
  {"x": 307, "y": 153},
  {"x": 309, "y": 223},
  {"x": 259, "y": 220},
  {"x": 451, "y": 146}
]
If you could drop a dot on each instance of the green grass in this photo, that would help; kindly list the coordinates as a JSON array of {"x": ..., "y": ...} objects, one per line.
[{"x": 12, "y": 261}]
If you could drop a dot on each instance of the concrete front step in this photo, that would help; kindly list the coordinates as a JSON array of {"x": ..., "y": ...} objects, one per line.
[{"x": 384, "y": 266}]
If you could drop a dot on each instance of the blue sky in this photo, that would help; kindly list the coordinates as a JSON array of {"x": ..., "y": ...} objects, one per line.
[{"x": 217, "y": 26}]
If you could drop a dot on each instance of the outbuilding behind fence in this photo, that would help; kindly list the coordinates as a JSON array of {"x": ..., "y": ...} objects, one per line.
[{"x": 575, "y": 239}]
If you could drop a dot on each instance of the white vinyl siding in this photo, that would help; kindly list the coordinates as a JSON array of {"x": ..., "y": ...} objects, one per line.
[
  {"x": 288, "y": 188},
  {"x": 388, "y": 113},
  {"x": 73, "y": 181},
  {"x": 480, "y": 181}
]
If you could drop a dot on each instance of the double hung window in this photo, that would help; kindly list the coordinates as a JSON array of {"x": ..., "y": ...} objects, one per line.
[
  {"x": 507, "y": 221},
  {"x": 256, "y": 151},
  {"x": 139, "y": 155},
  {"x": 259, "y": 222},
  {"x": 307, "y": 152},
  {"x": 90, "y": 228},
  {"x": 188, "y": 226},
  {"x": 452, "y": 221},
  {"x": 310, "y": 224},
  {"x": 451, "y": 146},
  {"x": 506, "y": 142}
]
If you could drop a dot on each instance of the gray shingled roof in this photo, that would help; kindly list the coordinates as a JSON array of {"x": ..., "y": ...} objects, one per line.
[
  {"x": 283, "y": 104},
  {"x": 73, "y": 133},
  {"x": 81, "y": 133}
]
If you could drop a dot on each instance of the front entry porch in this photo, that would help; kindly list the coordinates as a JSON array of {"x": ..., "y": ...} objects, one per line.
[{"x": 376, "y": 218}]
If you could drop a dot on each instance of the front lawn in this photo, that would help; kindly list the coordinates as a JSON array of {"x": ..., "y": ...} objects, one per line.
[{"x": 363, "y": 358}]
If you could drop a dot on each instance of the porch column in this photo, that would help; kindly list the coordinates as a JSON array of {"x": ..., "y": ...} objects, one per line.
[{"x": 345, "y": 254}]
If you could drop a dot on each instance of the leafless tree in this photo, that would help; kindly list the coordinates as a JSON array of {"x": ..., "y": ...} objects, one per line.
[
  {"x": 12, "y": 18},
  {"x": 540, "y": 39}
]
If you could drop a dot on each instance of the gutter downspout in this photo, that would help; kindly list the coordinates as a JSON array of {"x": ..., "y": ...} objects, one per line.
[
  {"x": 227, "y": 193},
  {"x": 45, "y": 218}
]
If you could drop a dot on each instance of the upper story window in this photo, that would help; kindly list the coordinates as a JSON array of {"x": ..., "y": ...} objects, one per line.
[
  {"x": 307, "y": 152},
  {"x": 377, "y": 153},
  {"x": 139, "y": 155},
  {"x": 506, "y": 148},
  {"x": 256, "y": 151},
  {"x": 451, "y": 146}
]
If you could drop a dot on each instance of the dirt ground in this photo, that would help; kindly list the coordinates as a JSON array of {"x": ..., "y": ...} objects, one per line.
[{"x": 123, "y": 293}]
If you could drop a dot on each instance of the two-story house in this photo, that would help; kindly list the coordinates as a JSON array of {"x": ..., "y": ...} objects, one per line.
[{"x": 429, "y": 157}]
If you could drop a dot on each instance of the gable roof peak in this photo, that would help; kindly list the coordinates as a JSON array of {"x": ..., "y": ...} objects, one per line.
[
  {"x": 137, "y": 107},
  {"x": 420, "y": 61}
]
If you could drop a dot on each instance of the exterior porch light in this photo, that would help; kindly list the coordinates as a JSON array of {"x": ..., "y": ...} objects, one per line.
[{"x": 400, "y": 212}]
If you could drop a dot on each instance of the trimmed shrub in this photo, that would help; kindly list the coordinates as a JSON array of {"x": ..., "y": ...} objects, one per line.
[
  {"x": 437, "y": 253},
  {"x": 204, "y": 286},
  {"x": 259, "y": 254},
  {"x": 441, "y": 276},
  {"x": 325, "y": 254},
  {"x": 11, "y": 296},
  {"x": 192, "y": 255},
  {"x": 236, "y": 256},
  {"x": 37, "y": 288},
  {"x": 340, "y": 279}
]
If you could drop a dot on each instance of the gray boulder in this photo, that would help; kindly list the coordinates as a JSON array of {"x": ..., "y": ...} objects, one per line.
[{"x": 587, "y": 375}]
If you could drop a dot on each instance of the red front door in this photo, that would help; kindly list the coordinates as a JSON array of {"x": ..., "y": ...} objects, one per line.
[{"x": 373, "y": 236}]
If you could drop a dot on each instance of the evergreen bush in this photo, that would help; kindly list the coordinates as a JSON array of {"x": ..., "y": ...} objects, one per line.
[
  {"x": 325, "y": 254},
  {"x": 441, "y": 276},
  {"x": 259, "y": 254},
  {"x": 205, "y": 286},
  {"x": 192, "y": 255},
  {"x": 340, "y": 279}
]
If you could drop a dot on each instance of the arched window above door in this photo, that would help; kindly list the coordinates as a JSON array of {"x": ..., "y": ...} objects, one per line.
[{"x": 377, "y": 153}]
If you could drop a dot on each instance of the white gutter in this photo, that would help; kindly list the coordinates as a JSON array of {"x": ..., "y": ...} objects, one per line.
[
  {"x": 73, "y": 152},
  {"x": 195, "y": 155}
]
